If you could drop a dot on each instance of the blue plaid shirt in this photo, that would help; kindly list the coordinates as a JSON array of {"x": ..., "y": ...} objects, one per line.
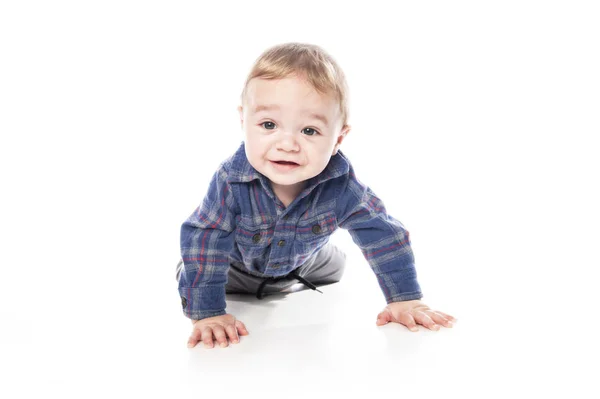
[{"x": 240, "y": 217}]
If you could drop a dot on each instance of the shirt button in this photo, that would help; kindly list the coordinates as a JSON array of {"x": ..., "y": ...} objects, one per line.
[
  {"x": 256, "y": 238},
  {"x": 281, "y": 243},
  {"x": 275, "y": 266},
  {"x": 316, "y": 229},
  {"x": 286, "y": 217}
]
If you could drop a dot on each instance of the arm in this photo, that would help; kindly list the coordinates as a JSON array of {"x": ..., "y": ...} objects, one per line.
[
  {"x": 382, "y": 239},
  {"x": 385, "y": 243},
  {"x": 207, "y": 238}
]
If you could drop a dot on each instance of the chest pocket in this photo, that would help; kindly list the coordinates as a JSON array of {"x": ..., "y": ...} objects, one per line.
[
  {"x": 254, "y": 240},
  {"x": 314, "y": 232}
]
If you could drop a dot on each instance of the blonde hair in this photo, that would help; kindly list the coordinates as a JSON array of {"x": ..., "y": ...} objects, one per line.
[{"x": 309, "y": 62}]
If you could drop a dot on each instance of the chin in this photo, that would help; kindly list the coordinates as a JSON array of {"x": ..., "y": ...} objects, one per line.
[{"x": 284, "y": 182}]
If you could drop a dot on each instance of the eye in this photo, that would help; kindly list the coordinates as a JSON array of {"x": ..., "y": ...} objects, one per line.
[
  {"x": 309, "y": 131},
  {"x": 268, "y": 125}
]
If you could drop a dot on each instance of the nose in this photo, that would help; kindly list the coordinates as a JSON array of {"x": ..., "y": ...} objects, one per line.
[{"x": 287, "y": 142}]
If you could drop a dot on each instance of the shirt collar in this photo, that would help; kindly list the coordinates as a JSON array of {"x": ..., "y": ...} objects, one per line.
[{"x": 242, "y": 172}]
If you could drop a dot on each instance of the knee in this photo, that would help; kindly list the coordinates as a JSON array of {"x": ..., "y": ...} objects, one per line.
[
  {"x": 337, "y": 276},
  {"x": 337, "y": 271}
]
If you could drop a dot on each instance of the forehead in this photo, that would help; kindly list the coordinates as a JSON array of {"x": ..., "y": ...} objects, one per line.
[{"x": 290, "y": 93}]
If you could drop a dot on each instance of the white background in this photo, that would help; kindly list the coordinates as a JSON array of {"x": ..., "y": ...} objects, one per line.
[{"x": 476, "y": 122}]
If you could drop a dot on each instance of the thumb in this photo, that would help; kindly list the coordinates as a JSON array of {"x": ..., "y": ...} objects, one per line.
[
  {"x": 196, "y": 335},
  {"x": 383, "y": 318},
  {"x": 194, "y": 338}
]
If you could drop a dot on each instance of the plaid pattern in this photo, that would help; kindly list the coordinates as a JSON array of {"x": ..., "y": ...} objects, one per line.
[{"x": 240, "y": 219}]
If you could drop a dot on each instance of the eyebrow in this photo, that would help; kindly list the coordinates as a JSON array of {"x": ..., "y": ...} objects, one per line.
[{"x": 273, "y": 107}]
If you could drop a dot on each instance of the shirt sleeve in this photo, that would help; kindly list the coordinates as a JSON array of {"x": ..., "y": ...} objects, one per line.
[
  {"x": 383, "y": 240},
  {"x": 207, "y": 239}
]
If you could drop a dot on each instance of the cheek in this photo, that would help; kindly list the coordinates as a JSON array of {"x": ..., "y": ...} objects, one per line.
[
  {"x": 326, "y": 153},
  {"x": 319, "y": 158},
  {"x": 324, "y": 150},
  {"x": 249, "y": 131},
  {"x": 255, "y": 146}
]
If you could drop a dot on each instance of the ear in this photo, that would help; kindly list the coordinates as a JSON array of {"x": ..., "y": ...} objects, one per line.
[
  {"x": 241, "y": 112},
  {"x": 343, "y": 133}
]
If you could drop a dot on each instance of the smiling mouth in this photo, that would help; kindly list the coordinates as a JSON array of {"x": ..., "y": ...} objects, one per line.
[{"x": 284, "y": 163}]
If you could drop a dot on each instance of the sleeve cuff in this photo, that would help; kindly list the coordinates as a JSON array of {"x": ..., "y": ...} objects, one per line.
[
  {"x": 400, "y": 285},
  {"x": 405, "y": 297},
  {"x": 202, "y": 302}
]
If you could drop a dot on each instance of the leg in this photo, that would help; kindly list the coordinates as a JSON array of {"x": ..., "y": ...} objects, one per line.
[
  {"x": 239, "y": 282},
  {"x": 326, "y": 267}
]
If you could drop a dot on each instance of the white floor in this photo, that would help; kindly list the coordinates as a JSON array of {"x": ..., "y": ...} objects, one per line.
[{"x": 303, "y": 344}]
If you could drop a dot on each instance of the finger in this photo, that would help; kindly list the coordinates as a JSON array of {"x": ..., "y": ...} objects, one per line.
[
  {"x": 447, "y": 316},
  {"x": 207, "y": 337},
  {"x": 422, "y": 318},
  {"x": 232, "y": 333},
  {"x": 194, "y": 338},
  {"x": 241, "y": 327},
  {"x": 440, "y": 319},
  {"x": 384, "y": 318},
  {"x": 220, "y": 336},
  {"x": 408, "y": 320}
]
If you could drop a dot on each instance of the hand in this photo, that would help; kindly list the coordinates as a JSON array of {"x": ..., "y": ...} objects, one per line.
[
  {"x": 221, "y": 327},
  {"x": 409, "y": 313}
]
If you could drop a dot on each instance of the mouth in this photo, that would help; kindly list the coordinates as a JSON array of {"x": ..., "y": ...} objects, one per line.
[
  {"x": 285, "y": 162},
  {"x": 284, "y": 166}
]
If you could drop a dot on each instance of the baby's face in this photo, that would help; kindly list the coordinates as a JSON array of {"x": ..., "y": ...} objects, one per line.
[{"x": 287, "y": 120}]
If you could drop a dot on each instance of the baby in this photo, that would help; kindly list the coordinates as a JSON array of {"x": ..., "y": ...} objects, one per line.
[{"x": 265, "y": 222}]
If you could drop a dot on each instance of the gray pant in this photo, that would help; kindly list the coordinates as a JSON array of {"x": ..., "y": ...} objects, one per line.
[{"x": 325, "y": 267}]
